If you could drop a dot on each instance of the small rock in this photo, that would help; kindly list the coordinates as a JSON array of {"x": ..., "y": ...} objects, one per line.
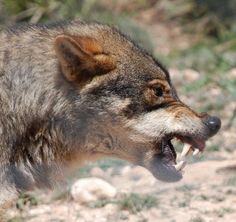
[
  {"x": 176, "y": 75},
  {"x": 230, "y": 57},
  {"x": 43, "y": 209},
  {"x": 109, "y": 172},
  {"x": 110, "y": 208},
  {"x": 124, "y": 215},
  {"x": 231, "y": 74},
  {"x": 91, "y": 189},
  {"x": 126, "y": 170},
  {"x": 190, "y": 75},
  {"x": 215, "y": 91},
  {"x": 231, "y": 107},
  {"x": 97, "y": 172}
]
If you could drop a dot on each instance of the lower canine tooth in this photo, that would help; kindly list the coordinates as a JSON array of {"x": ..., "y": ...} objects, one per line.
[
  {"x": 185, "y": 150},
  {"x": 195, "y": 152},
  {"x": 179, "y": 166}
]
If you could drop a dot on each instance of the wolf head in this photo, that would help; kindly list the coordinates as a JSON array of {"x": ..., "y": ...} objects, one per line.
[{"x": 130, "y": 106}]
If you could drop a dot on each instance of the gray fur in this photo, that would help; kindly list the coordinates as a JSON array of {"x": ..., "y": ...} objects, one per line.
[{"x": 47, "y": 122}]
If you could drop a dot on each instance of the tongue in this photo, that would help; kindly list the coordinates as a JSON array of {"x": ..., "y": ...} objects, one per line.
[{"x": 162, "y": 167}]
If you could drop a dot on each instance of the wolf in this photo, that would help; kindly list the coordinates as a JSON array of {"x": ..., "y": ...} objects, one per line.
[{"x": 75, "y": 91}]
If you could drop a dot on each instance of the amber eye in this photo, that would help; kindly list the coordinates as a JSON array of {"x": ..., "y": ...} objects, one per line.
[{"x": 158, "y": 91}]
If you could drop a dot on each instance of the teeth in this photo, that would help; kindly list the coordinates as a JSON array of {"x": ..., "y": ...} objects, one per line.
[
  {"x": 196, "y": 152},
  {"x": 179, "y": 166},
  {"x": 186, "y": 149}
]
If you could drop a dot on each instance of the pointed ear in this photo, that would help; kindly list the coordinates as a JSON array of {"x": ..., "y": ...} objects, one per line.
[{"x": 82, "y": 58}]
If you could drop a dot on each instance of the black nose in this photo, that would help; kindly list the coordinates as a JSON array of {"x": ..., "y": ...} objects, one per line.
[{"x": 213, "y": 123}]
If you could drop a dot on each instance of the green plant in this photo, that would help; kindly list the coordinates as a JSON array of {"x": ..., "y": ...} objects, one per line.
[
  {"x": 100, "y": 203},
  {"x": 26, "y": 200},
  {"x": 134, "y": 202},
  {"x": 17, "y": 219},
  {"x": 60, "y": 195}
]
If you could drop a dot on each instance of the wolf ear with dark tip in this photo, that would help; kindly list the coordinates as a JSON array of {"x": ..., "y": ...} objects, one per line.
[{"x": 82, "y": 58}]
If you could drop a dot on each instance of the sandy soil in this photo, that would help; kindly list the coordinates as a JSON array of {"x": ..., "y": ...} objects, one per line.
[{"x": 206, "y": 193}]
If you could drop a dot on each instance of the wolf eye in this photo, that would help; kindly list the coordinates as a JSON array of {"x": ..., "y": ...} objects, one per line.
[{"x": 158, "y": 91}]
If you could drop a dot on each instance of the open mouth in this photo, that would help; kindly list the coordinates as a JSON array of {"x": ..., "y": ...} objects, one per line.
[{"x": 166, "y": 166}]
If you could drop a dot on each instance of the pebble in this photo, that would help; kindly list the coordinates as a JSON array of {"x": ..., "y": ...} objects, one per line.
[{"x": 91, "y": 189}]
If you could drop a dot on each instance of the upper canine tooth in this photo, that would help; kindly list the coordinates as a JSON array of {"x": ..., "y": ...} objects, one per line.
[
  {"x": 179, "y": 166},
  {"x": 186, "y": 149},
  {"x": 195, "y": 152}
]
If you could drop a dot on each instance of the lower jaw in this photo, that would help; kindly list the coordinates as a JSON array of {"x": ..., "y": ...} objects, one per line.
[{"x": 163, "y": 170}]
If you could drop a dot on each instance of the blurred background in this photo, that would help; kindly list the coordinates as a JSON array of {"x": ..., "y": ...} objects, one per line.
[{"x": 196, "y": 40}]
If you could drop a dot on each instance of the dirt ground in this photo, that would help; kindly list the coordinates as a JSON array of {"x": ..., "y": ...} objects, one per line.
[{"x": 206, "y": 193}]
